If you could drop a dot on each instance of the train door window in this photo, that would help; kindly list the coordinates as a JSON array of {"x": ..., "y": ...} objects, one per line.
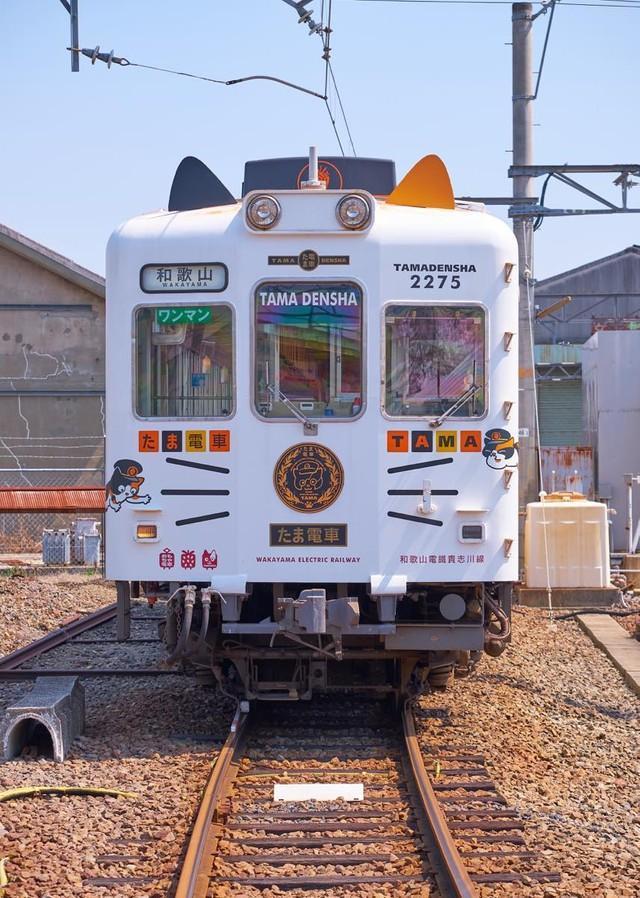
[
  {"x": 308, "y": 350},
  {"x": 184, "y": 366},
  {"x": 434, "y": 360}
]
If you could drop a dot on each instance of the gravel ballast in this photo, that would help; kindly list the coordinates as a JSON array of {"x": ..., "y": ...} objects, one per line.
[
  {"x": 561, "y": 733},
  {"x": 558, "y": 727},
  {"x": 155, "y": 737},
  {"x": 32, "y": 606}
]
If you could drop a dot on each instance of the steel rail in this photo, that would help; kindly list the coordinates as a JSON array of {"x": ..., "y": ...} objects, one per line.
[
  {"x": 33, "y": 673},
  {"x": 192, "y": 874},
  {"x": 449, "y": 855},
  {"x": 57, "y": 637}
]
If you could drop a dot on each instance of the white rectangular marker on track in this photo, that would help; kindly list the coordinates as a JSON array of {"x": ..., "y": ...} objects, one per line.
[{"x": 318, "y": 791}]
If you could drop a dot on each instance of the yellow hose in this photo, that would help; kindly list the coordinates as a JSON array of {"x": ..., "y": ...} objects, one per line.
[{"x": 28, "y": 791}]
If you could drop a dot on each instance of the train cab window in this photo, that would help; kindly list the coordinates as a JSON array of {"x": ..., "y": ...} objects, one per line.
[
  {"x": 184, "y": 361},
  {"x": 308, "y": 350},
  {"x": 434, "y": 360}
]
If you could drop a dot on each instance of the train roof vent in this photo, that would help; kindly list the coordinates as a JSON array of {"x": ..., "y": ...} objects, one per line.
[{"x": 378, "y": 176}]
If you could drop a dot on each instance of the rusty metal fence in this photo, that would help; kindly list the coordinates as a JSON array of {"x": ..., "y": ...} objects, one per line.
[
  {"x": 26, "y": 541},
  {"x": 21, "y": 533}
]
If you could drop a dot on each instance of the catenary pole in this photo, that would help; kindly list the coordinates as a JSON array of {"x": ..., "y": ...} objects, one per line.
[{"x": 522, "y": 36}]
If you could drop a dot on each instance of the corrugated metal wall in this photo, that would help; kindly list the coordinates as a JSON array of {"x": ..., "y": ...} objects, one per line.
[{"x": 560, "y": 410}]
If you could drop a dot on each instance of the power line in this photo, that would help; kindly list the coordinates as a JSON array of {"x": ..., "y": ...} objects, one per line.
[
  {"x": 328, "y": 71},
  {"x": 335, "y": 127},
  {"x": 606, "y": 4},
  {"x": 110, "y": 60},
  {"x": 324, "y": 31},
  {"x": 326, "y": 46},
  {"x": 552, "y": 5},
  {"x": 346, "y": 123},
  {"x": 325, "y": 34}
]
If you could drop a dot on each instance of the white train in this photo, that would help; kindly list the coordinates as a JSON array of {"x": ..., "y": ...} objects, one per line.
[{"x": 312, "y": 422}]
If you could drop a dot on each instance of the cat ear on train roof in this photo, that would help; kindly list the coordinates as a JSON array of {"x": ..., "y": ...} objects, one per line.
[
  {"x": 196, "y": 187},
  {"x": 426, "y": 185}
]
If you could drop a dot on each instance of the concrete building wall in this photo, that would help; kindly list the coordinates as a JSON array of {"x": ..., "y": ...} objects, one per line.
[{"x": 51, "y": 367}]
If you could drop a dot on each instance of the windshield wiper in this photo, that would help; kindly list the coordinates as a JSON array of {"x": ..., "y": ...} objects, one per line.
[
  {"x": 459, "y": 402},
  {"x": 310, "y": 428}
]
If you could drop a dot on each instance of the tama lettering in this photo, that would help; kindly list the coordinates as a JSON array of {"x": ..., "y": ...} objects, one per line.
[
  {"x": 439, "y": 267},
  {"x": 313, "y": 298},
  {"x": 434, "y": 441}
]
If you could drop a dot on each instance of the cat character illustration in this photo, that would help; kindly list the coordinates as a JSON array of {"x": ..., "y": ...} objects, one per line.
[
  {"x": 124, "y": 485},
  {"x": 499, "y": 449}
]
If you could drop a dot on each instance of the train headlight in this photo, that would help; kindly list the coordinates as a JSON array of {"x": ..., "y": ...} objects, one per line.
[
  {"x": 452, "y": 606},
  {"x": 354, "y": 212},
  {"x": 263, "y": 212}
]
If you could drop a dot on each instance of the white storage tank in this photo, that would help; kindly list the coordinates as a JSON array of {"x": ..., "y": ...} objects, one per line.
[{"x": 566, "y": 542}]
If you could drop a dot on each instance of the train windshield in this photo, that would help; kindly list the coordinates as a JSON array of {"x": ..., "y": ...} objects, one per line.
[
  {"x": 308, "y": 352},
  {"x": 434, "y": 360},
  {"x": 184, "y": 361}
]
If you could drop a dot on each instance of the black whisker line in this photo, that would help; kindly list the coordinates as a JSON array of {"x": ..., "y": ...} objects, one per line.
[
  {"x": 411, "y": 517},
  {"x": 194, "y": 492},
  {"x": 202, "y": 517},
  {"x": 197, "y": 464},
  {"x": 419, "y": 492},
  {"x": 422, "y": 464}
]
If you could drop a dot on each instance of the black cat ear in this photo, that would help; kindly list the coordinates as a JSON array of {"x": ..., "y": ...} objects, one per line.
[{"x": 196, "y": 187}]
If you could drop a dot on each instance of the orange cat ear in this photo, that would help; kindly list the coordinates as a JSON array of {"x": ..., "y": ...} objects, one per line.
[{"x": 427, "y": 185}]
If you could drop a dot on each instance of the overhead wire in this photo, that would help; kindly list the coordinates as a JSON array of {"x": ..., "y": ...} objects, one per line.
[
  {"x": 324, "y": 32},
  {"x": 605, "y": 4},
  {"x": 328, "y": 73},
  {"x": 325, "y": 35},
  {"x": 344, "y": 115},
  {"x": 545, "y": 9},
  {"x": 537, "y": 224},
  {"x": 110, "y": 60},
  {"x": 335, "y": 127}
]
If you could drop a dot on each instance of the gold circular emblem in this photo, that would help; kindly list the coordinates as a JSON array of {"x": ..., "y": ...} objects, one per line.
[
  {"x": 308, "y": 477},
  {"x": 308, "y": 260}
]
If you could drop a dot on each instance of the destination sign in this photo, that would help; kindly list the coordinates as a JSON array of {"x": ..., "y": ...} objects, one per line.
[{"x": 196, "y": 277}]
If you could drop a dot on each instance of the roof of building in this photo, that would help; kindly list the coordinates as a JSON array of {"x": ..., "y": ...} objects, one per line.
[
  {"x": 51, "y": 499},
  {"x": 51, "y": 261},
  {"x": 583, "y": 275}
]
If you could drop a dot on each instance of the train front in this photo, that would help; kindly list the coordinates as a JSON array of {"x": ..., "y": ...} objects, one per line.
[{"x": 311, "y": 428}]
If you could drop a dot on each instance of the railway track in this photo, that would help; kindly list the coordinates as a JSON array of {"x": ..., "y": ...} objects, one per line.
[
  {"x": 70, "y": 629},
  {"x": 412, "y": 833},
  {"x": 73, "y": 630}
]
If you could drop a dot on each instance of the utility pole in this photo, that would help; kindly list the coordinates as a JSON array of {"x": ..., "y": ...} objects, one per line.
[
  {"x": 75, "y": 56},
  {"x": 522, "y": 84},
  {"x": 71, "y": 7}
]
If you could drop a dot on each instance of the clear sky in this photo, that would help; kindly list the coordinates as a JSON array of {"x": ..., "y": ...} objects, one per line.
[{"x": 82, "y": 152}]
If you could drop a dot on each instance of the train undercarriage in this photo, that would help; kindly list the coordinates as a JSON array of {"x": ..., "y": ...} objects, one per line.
[{"x": 285, "y": 642}]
